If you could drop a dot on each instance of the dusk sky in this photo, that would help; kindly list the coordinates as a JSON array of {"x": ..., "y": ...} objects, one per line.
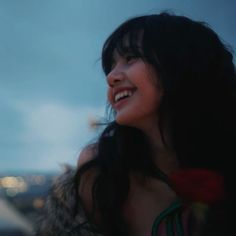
[{"x": 51, "y": 81}]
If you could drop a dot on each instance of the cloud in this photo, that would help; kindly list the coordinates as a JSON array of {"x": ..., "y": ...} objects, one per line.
[
  {"x": 55, "y": 133},
  {"x": 54, "y": 123}
]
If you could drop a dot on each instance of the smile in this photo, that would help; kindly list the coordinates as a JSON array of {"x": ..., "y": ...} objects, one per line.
[
  {"x": 122, "y": 95},
  {"x": 125, "y": 93}
]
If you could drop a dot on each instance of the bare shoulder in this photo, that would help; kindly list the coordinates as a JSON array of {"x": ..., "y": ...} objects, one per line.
[
  {"x": 87, "y": 154},
  {"x": 88, "y": 177}
]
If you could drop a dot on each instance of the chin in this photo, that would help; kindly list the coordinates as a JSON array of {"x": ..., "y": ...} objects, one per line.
[
  {"x": 123, "y": 121},
  {"x": 126, "y": 121}
]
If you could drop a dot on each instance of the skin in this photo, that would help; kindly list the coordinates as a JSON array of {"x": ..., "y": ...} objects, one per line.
[
  {"x": 141, "y": 109},
  {"x": 146, "y": 199}
]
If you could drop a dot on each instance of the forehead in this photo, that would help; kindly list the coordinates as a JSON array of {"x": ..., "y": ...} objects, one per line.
[
  {"x": 118, "y": 53},
  {"x": 119, "y": 44},
  {"x": 115, "y": 55}
]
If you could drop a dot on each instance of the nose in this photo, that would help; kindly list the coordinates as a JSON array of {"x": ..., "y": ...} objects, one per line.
[{"x": 115, "y": 76}]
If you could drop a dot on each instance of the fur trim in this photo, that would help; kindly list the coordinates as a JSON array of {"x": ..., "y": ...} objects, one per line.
[{"x": 63, "y": 216}]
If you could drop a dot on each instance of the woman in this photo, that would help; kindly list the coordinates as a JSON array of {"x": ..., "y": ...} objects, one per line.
[{"x": 164, "y": 165}]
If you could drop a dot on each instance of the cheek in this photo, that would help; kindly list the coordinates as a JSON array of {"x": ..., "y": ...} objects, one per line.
[{"x": 109, "y": 95}]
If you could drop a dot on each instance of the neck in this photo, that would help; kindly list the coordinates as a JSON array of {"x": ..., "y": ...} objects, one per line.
[{"x": 163, "y": 153}]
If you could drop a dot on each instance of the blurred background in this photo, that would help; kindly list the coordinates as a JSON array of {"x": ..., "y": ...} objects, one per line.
[{"x": 52, "y": 88}]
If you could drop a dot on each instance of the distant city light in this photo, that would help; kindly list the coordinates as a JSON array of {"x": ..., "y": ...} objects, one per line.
[
  {"x": 25, "y": 195},
  {"x": 13, "y": 185}
]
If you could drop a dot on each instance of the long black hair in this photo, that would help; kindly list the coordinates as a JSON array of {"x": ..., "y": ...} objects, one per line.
[{"x": 198, "y": 77}]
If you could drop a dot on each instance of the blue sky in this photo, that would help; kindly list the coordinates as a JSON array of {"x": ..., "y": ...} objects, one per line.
[{"x": 51, "y": 82}]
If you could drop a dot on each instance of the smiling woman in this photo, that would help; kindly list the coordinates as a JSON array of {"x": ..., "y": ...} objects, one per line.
[
  {"x": 163, "y": 165},
  {"x": 132, "y": 92}
]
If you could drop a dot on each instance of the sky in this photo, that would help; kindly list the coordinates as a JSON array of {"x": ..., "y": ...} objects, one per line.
[{"x": 51, "y": 81}]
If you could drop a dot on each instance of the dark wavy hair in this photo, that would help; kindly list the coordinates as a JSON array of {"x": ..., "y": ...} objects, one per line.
[{"x": 198, "y": 76}]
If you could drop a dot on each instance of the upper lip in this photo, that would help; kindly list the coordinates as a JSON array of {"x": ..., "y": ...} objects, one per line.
[{"x": 121, "y": 89}]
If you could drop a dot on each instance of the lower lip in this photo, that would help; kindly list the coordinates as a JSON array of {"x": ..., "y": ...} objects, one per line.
[{"x": 120, "y": 103}]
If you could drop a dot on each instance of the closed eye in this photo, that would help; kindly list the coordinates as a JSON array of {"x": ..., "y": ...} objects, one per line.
[{"x": 130, "y": 57}]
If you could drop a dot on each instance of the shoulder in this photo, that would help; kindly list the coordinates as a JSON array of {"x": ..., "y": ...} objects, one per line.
[
  {"x": 87, "y": 154},
  {"x": 61, "y": 201},
  {"x": 88, "y": 177},
  {"x": 64, "y": 214}
]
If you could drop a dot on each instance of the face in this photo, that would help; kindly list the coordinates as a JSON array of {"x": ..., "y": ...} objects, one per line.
[{"x": 133, "y": 91}]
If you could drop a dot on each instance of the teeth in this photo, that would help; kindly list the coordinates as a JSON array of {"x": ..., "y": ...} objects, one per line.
[{"x": 122, "y": 94}]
